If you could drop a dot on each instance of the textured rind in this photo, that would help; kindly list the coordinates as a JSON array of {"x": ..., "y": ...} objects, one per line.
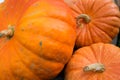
[
  {"x": 43, "y": 40},
  {"x": 104, "y": 24},
  {"x": 106, "y": 54}
]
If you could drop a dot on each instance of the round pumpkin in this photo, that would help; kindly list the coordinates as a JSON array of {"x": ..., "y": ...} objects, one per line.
[
  {"x": 97, "y": 20},
  {"x": 96, "y": 62},
  {"x": 36, "y": 39}
]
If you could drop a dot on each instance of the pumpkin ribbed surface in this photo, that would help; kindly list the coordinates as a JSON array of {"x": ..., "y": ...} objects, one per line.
[
  {"x": 97, "y": 20},
  {"x": 43, "y": 39},
  {"x": 96, "y": 62}
]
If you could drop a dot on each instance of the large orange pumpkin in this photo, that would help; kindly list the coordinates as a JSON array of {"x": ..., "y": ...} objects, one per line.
[
  {"x": 96, "y": 62},
  {"x": 36, "y": 39},
  {"x": 97, "y": 20}
]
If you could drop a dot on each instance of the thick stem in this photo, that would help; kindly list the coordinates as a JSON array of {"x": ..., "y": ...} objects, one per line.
[
  {"x": 97, "y": 67},
  {"x": 8, "y": 32},
  {"x": 84, "y": 17}
]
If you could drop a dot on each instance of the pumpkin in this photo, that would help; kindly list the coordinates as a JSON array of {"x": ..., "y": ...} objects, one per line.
[
  {"x": 100, "y": 61},
  {"x": 97, "y": 20},
  {"x": 36, "y": 39}
]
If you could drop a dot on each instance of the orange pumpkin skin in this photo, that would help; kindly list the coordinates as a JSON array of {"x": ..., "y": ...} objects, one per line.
[
  {"x": 43, "y": 40},
  {"x": 106, "y": 54},
  {"x": 102, "y": 22}
]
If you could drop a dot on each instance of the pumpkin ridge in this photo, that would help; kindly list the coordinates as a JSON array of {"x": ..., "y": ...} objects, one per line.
[
  {"x": 106, "y": 16},
  {"x": 63, "y": 20},
  {"x": 79, "y": 7},
  {"x": 107, "y": 34},
  {"x": 83, "y": 56},
  {"x": 84, "y": 6},
  {"x": 112, "y": 25},
  {"x": 3, "y": 43},
  {"x": 53, "y": 15},
  {"x": 103, "y": 17},
  {"x": 87, "y": 31},
  {"x": 9, "y": 63},
  {"x": 2, "y": 56},
  {"x": 92, "y": 6},
  {"x": 76, "y": 11},
  {"x": 95, "y": 54},
  {"x": 109, "y": 77},
  {"x": 91, "y": 76},
  {"x": 11, "y": 69},
  {"x": 99, "y": 36},
  {"x": 36, "y": 54},
  {"x": 117, "y": 30},
  {"x": 58, "y": 63},
  {"x": 44, "y": 58},
  {"x": 110, "y": 62},
  {"x": 14, "y": 48},
  {"x": 101, "y": 7},
  {"x": 90, "y": 33},
  {"x": 25, "y": 65},
  {"x": 114, "y": 71},
  {"x": 50, "y": 37},
  {"x": 55, "y": 40},
  {"x": 58, "y": 18},
  {"x": 2, "y": 49},
  {"x": 47, "y": 37},
  {"x": 82, "y": 38},
  {"x": 113, "y": 57}
]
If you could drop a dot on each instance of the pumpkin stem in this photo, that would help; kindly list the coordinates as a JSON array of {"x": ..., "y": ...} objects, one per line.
[
  {"x": 84, "y": 17},
  {"x": 8, "y": 32},
  {"x": 97, "y": 67}
]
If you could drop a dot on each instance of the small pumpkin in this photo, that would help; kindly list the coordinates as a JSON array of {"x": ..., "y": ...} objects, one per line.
[
  {"x": 97, "y": 20},
  {"x": 36, "y": 39},
  {"x": 96, "y": 62}
]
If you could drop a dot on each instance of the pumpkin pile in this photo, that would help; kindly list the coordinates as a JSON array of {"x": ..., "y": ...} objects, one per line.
[{"x": 39, "y": 37}]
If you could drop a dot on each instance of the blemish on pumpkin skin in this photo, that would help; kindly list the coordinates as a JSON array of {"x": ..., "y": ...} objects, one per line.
[
  {"x": 40, "y": 43},
  {"x": 22, "y": 29},
  {"x": 22, "y": 78},
  {"x": 32, "y": 66}
]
